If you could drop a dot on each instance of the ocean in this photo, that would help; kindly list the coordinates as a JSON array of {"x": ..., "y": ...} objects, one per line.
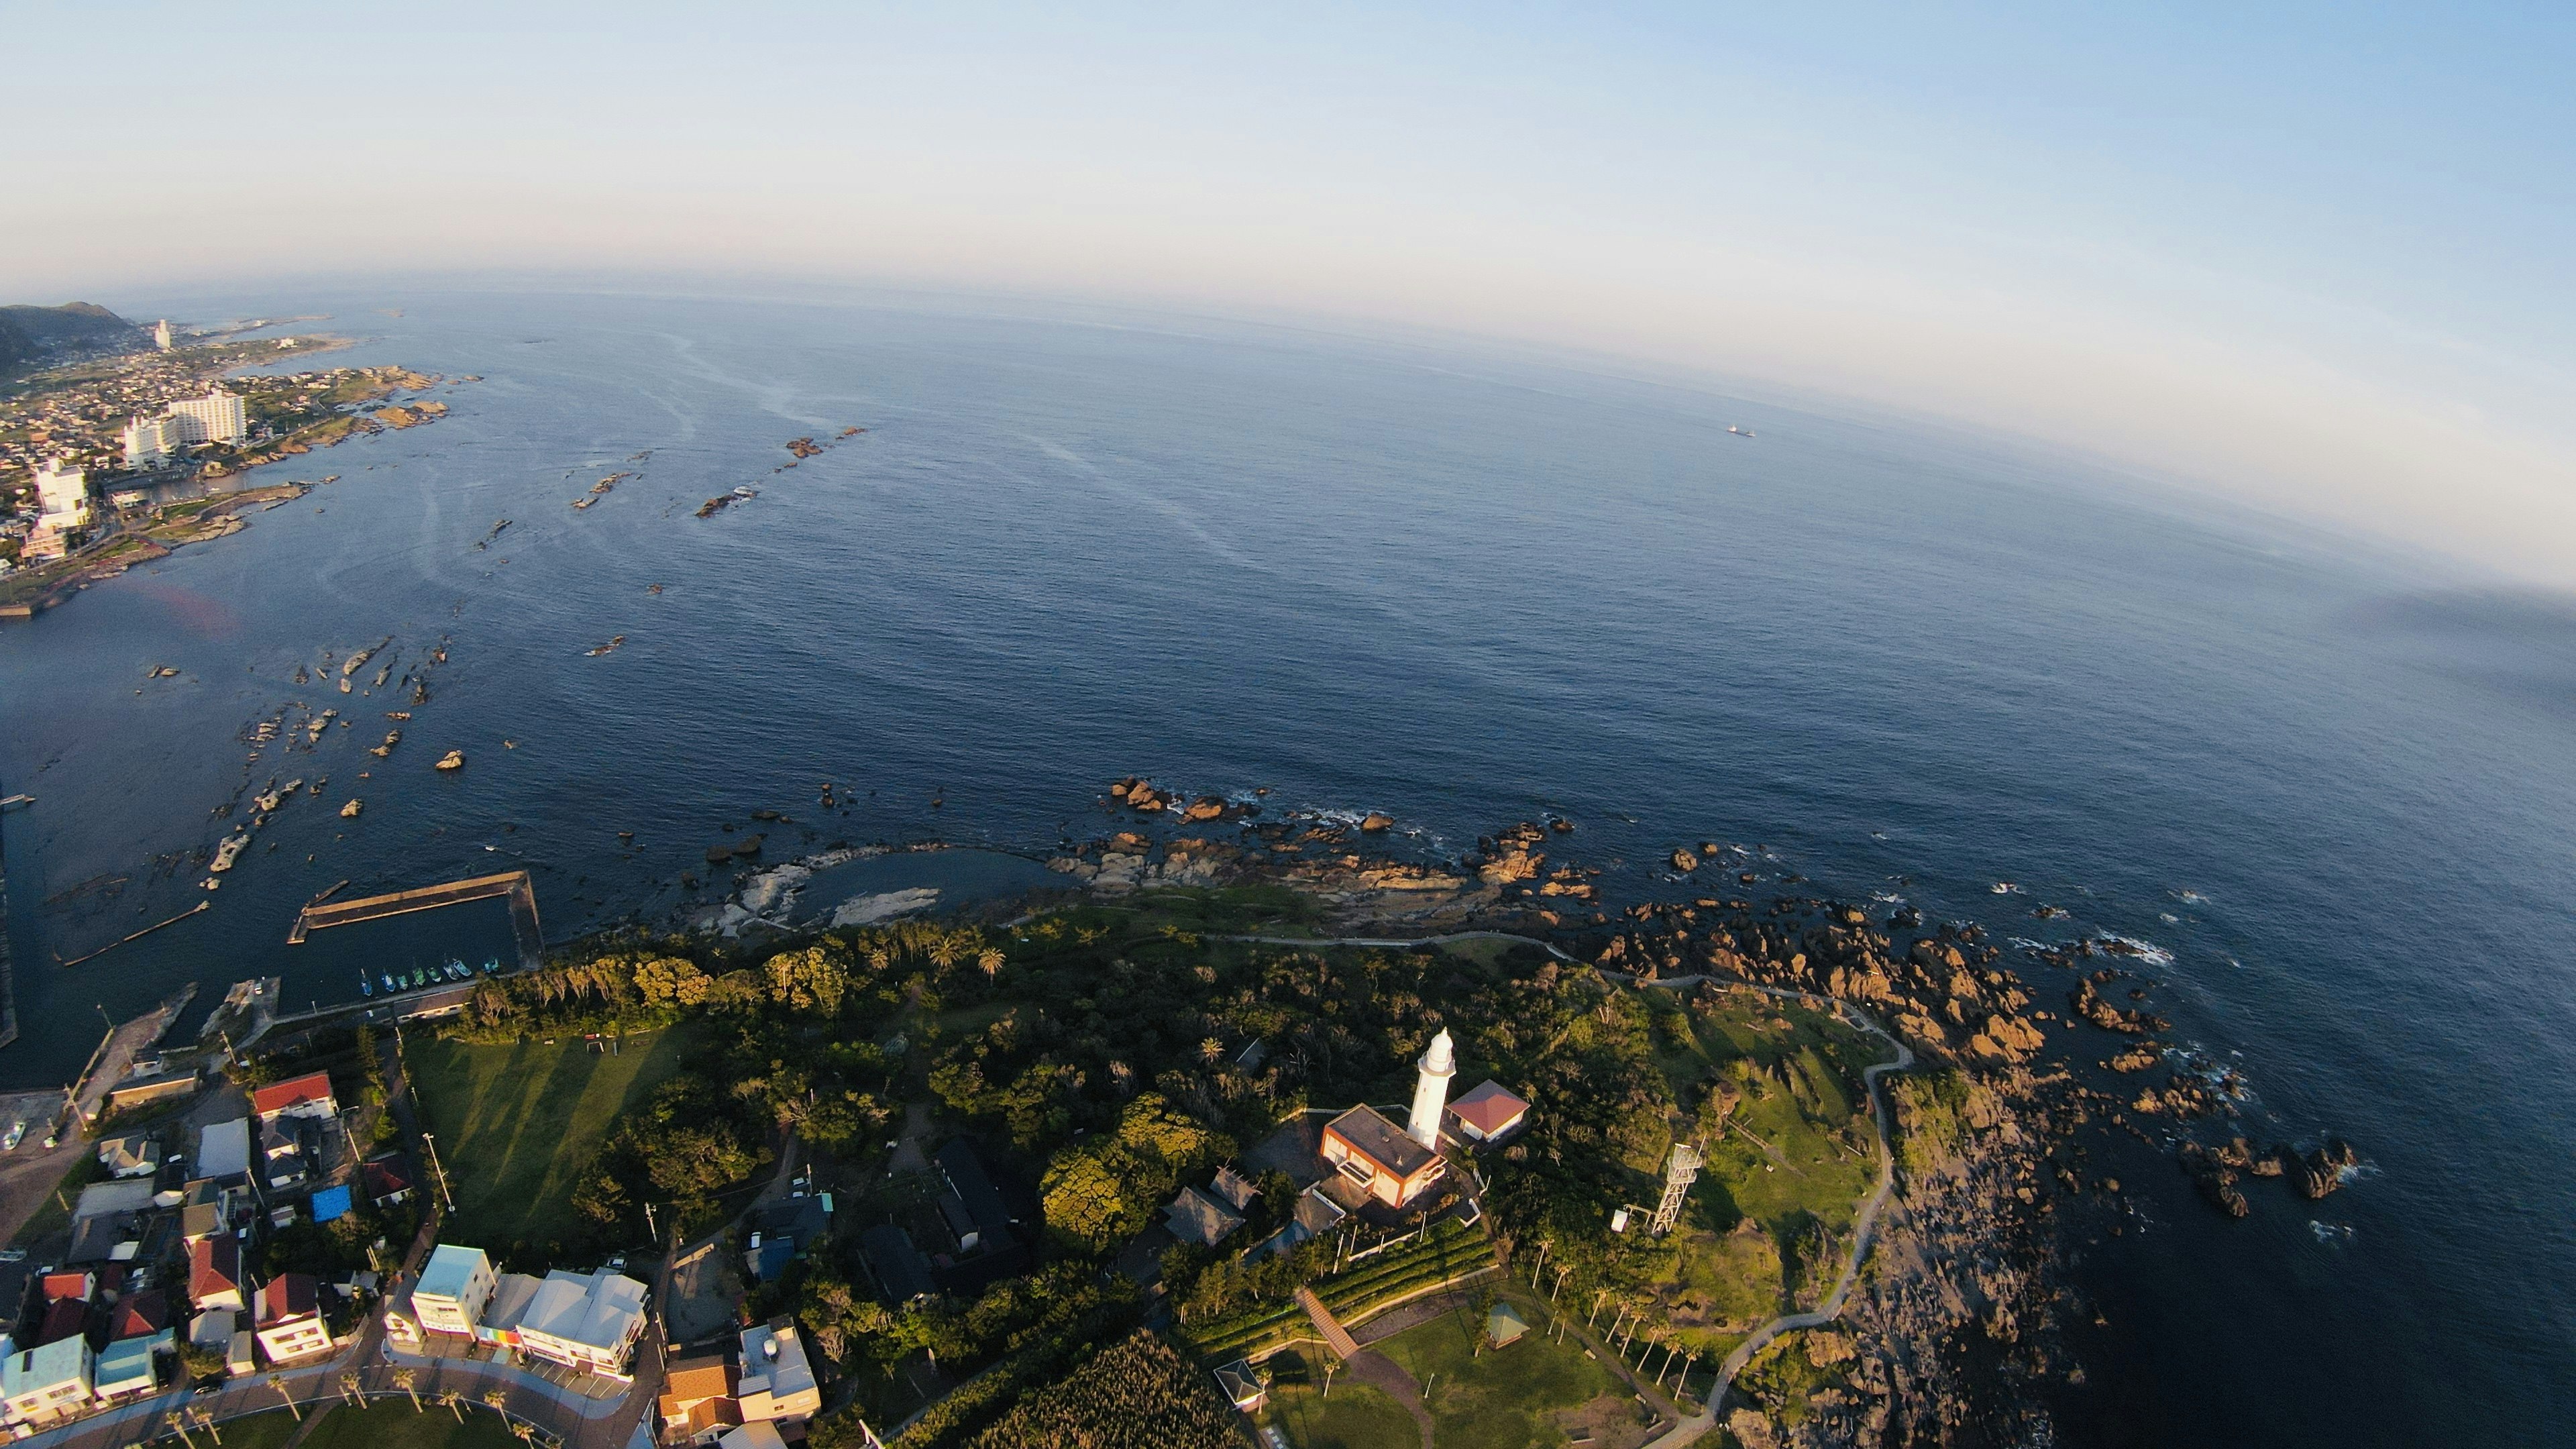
[{"x": 2334, "y": 793}]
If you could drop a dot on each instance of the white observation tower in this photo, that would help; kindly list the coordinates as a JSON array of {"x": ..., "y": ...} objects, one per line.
[{"x": 1431, "y": 1091}]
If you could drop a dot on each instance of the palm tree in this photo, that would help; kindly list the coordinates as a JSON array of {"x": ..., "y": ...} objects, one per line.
[
  {"x": 287, "y": 1394},
  {"x": 499, "y": 1402},
  {"x": 349, "y": 1388},
  {"x": 453, "y": 1402},
  {"x": 408, "y": 1380}
]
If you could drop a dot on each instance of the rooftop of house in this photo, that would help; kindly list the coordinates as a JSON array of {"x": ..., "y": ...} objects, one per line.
[
  {"x": 223, "y": 1148},
  {"x": 310, "y": 1088},
  {"x": 66, "y": 1318},
  {"x": 1489, "y": 1108},
  {"x": 973, "y": 1187},
  {"x": 138, "y": 1315},
  {"x": 214, "y": 1266},
  {"x": 1380, "y": 1141},
  {"x": 773, "y": 1359},
  {"x": 596, "y": 1310},
  {"x": 1198, "y": 1218},
  {"x": 510, "y": 1299},
  {"x": 699, "y": 1376},
  {"x": 127, "y": 1363},
  {"x": 449, "y": 1269},
  {"x": 899, "y": 1267},
  {"x": 44, "y": 1366},
  {"x": 1237, "y": 1190},
  {"x": 289, "y": 1295}
]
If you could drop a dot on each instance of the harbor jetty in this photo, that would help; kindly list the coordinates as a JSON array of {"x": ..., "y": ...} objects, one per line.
[{"x": 515, "y": 886}]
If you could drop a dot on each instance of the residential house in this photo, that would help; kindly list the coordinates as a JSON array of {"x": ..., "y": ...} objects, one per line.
[
  {"x": 151, "y": 1087},
  {"x": 1197, "y": 1218},
  {"x": 697, "y": 1402},
  {"x": 135, "y": 1156},
  {"x": 139, "y": 1315},
  {"x": 64, "y": 1318},
  {"x": 47, "y": 1384},
  {"x": 499, "y": 1323},
  {"x": 454, "y": 1286},
  {"x": 1237, "y": 1190},
  {"x": 76, "y": 1286},
  {"x": 1489, "y": 1113},
  {"x": 129, "y": 1368},
  {"x": 215, "y": 1277},
  {"x": 587, "y": 1321},
  {"x": 781, "y": 1232},
  {"x": 281, "y": 1153},
  {"x": 305, "y": 1096},
  {"x": 981, "y": 1224},
  {"x": 1378, "y": 1157},
  {"x": 752, "y": 1436},
  {"x": 902, "y": 1274},
  {"x": 289, "y": 1318},
  {"x": 223, "y": 1151},
  {"x": 776, "y": 1383},
  {"x": 386, "y": 1181}
]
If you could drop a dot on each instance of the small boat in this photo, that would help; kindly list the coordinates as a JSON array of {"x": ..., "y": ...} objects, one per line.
[
  {"x": 453, "y": 969},
  {"x": 419, "y": 977},
  {"x": 1739, "y": 432},
  {"x": 492, "y": 966},
  {"x": 365, "y": 987},
  {"x": 17, "y": 1134},
  {"x": 390, "y": 984}
]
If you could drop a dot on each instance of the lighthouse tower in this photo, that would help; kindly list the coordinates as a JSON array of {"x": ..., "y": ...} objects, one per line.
[{"x": 1431, "y": 1091}]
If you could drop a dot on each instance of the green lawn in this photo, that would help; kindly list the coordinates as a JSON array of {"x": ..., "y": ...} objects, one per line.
[
  {"x": 256, "y": 1431},
  {"x": 515, "y": 1123},
  {"x": 1502, "y": 1398},
  {"x": 1354, "y": 1416},
  {"x": 391, "y": 1424}
]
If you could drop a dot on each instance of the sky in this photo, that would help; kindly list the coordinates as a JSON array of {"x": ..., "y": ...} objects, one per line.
[{"x": 2310, "y": 258}]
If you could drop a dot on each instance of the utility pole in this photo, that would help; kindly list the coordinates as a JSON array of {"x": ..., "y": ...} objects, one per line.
[{"x": 431, "y": 1142}]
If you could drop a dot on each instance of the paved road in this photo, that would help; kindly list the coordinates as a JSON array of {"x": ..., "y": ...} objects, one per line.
[{"x": 1865, "y": 1226}]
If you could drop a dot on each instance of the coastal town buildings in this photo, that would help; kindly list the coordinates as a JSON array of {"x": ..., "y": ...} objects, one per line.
[
  {"x": 47, "y": 1384},
  {"x": 585, "y": 1321},
  {"x": 161, "y": 334},
  {"x": 149, "y": 441},
  {"x": 1489, "y": 1113},
  {"x": 776, "y": 1383},
  {"x": 454, "y": 1287},
  {"x": 1379, "y": 1158},
  {"x": 215, "y": 1278},
  {"x": 218, "y": 417},
  {"x": 289, "y": 1318},
  {"x": 305, "y": 1096}
]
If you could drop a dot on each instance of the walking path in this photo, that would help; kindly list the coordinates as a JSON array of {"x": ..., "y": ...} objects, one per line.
[{"x": 1864, "y": 1226}]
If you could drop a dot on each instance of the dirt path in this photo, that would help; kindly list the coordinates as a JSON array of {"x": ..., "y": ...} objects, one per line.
[{"x": 1384, "y": 1375}]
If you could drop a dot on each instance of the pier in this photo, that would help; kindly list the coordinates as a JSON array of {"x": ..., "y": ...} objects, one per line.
[{"x": 515, "y": 886}]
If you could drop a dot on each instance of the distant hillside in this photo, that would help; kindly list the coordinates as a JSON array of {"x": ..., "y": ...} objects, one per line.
[{"x": 33, "y": 335}]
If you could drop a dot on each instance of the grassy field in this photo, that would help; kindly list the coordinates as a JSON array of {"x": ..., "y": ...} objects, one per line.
[
  {"x": 391, "y": 1424},
  {"x": 1789, "y": 1171},
  {"x": 515, "y": 1123},
  {"x": 1506, "y": 1398},
  {"x": 1355, "y": 1416}
]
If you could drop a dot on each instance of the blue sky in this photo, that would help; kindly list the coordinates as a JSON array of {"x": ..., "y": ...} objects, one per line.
[{"x": 2314, "y": 258}]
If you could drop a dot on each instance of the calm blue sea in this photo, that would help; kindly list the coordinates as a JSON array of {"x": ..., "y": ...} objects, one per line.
[{"x": 1462, "y": 588}]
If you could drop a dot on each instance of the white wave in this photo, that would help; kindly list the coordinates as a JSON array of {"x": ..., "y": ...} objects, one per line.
[
  {"x": 863, "y": 910},
  {"x": 2147, "y": 951},
  {"x": 2330, "y": 1232}
]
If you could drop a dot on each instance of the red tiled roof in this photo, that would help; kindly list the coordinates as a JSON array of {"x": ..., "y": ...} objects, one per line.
[
  {"x": 64, "y": 1320},
  {"x": 1489, "y": 1108},
  {"x": 311, "y": 1087},
  {"x": 60, "y": 1286},
  {"x": 214, "y": 1266},
  {"x": 288, "y": 1295},
  {"x": 384, "y": 1179},
  {"x": 145, "y": 1313}
]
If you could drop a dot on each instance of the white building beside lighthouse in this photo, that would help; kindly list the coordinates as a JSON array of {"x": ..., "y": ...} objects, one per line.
[{"x": 1431, "y": 1091}]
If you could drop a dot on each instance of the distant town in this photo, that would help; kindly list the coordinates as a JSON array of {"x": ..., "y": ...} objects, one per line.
[{"x": 119, "y": 442}]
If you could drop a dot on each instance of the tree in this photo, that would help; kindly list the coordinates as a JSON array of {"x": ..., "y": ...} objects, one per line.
[
  {"x": 408, "y": 1380},
  {"x": 453, "y": 1402}
]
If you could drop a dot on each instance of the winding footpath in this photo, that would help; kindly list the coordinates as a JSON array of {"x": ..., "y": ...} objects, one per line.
[{"x": 1864, "y": 1226}]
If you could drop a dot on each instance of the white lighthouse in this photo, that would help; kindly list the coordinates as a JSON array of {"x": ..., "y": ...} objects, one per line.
[{"x": 1431, "y": 1091}]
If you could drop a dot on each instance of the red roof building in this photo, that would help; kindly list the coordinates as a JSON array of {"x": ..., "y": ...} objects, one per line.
[
  {"x": 386, "y": 1182},
  {"x": 66, "y": 1319},
  {"x": 215, "y": 1272},
  {"x": 305, "y": 1096},
  {"x": 139, "y": 1316},
  {"x": 1489, "y": 1112},
  {"x": 72, "y": 1287}
]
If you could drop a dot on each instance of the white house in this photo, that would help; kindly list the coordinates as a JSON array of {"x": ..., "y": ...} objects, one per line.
[
  {"x": 777, "y": 1383},
  {"x": 290, "y": 1318},
  {"x": 47, "y": 1385},
  {"x": 585, "y": 1320},
  {"x": 454, "y": 1286}
]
